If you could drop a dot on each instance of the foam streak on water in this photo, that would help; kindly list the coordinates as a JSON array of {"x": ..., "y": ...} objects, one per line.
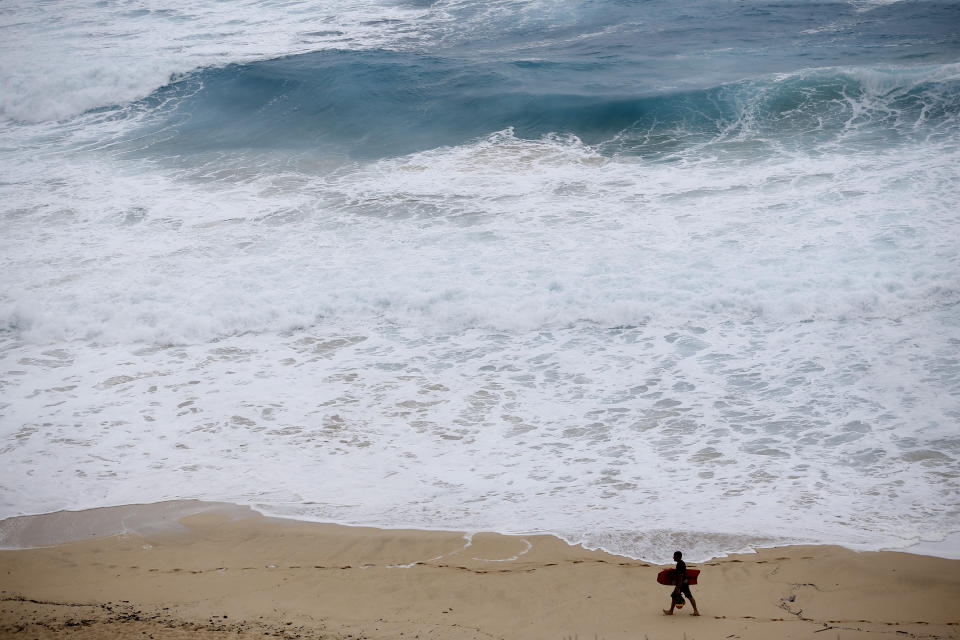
[{"x": 716, "y": 316}]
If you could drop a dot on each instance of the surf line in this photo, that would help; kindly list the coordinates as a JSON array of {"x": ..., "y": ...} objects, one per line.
[
  {"x": 468, "y": 542},
  {"x": 468, "y": 537},
  {"x": 510, "y": 559}
]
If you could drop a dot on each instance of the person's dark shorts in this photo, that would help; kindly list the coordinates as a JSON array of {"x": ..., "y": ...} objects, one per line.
[{"x": 685, "y": 590}]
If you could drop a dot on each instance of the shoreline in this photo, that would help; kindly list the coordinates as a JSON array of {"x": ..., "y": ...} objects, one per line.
[
  {"x": 47, "y": 529},
  {"x": 212, "y": 570}
]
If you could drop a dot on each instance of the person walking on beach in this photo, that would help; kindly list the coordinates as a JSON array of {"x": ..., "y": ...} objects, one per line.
[{"x": 683, "y": 586}]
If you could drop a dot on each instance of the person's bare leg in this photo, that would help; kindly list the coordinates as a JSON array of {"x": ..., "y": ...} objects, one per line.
[
  {"x": 673, "y": 604},
  {"x": 694, "y": 603}
]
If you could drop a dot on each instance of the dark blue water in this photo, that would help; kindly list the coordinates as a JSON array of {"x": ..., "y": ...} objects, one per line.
[{"x": 640, "y": 78}]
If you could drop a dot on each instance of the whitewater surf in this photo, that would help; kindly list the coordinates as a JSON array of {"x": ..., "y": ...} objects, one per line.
[{"x": 515, "y": 266}]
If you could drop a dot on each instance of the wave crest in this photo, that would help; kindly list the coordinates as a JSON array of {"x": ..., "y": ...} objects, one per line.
[{"x": 374, "y": 104}]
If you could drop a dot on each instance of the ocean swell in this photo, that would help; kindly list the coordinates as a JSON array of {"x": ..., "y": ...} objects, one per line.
[{"x": 373, "y": 104}]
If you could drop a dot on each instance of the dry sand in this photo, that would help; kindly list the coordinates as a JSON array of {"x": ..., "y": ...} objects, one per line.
[{"x": 225, "y": 572}]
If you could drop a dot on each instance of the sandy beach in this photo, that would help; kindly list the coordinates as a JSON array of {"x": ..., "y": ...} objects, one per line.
[
  {"x": 607, "y": 276},
  {"x": 203, "y": 570}
]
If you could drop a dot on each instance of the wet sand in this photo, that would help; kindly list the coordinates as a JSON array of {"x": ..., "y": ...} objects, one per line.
[{"x": 201, "y": 570}]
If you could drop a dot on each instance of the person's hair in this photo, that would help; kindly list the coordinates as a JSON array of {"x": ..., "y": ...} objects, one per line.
[{"x": 677, "y": 554}]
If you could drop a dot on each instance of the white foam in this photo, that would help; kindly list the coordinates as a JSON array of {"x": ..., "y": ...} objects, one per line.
[
  {"x": 506, "y": 335},
  {"x": 948, "y": 547},
  {"x": 705, "y": 243},
  {"x": 57, "y": 62}
]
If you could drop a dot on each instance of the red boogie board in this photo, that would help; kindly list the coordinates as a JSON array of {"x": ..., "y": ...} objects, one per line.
[{"x": 668, "y": 576}]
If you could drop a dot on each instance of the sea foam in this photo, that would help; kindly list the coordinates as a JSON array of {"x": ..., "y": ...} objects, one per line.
[{"x": 722, "y": 315}]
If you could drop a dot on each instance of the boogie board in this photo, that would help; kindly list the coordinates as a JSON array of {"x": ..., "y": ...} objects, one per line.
[{"x": 669, "y": 576}]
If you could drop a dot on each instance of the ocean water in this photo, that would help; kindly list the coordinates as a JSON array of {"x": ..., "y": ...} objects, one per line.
[{"x": 643, "y": 274}]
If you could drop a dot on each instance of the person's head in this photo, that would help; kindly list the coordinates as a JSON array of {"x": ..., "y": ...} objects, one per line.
[{"x": 677, "y": 555}]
